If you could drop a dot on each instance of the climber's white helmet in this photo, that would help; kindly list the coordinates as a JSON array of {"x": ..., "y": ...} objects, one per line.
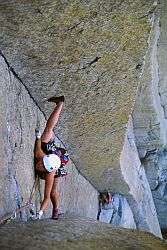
[{"x": 51, "y": 162}]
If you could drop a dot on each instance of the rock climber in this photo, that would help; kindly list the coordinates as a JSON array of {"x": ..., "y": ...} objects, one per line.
[
  {"x": 105, "y": 198},
  {"x": 50, "y": 159},
  {"x": 106, "y": 207}
]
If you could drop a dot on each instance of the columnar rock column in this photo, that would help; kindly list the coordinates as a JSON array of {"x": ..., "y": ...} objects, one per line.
[
  {"x": 150, "y": 116},
  {"x": 139, "y": 196}
]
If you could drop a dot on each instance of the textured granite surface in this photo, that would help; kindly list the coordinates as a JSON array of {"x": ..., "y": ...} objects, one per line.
[
  {"x": 19, "y": 117},
  {"x": 90, "y": 51},
  {"x": 149, "y": 115},
  {"x": 94, "y": 54},
  {"x": 71, "y": 232}
]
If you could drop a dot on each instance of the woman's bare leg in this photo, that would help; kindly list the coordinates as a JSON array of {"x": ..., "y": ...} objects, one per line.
[
  {"x": 49, "y": 179},
  {"x": 54, "y": 198},
  {"x": 52, "y": 121},
  {"x": 54, "y": 194},
  {"x": 46, "y": 136}
]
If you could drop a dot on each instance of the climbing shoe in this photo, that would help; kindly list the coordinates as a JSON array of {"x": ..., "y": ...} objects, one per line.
[
  {"x": 55, "y": 214},
  {"x": 39, "y": 215},
  {"x": 56, "y": 99}
]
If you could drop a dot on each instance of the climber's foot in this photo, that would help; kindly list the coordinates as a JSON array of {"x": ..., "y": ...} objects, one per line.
[
  {"x": 56, "y": 99},
  {"x": 55, "y": 214}
]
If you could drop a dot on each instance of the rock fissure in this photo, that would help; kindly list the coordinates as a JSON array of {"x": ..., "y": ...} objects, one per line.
[
  {"x": 74, "y": 27},
  {"x": 95, "y": 54},
  {"x": 159, "y": 107},
  {"x": 11, "y": 70},
  {"x": 163, "y": 105},
  {"x": 17, "y": 196},
  {"x": 92, "y": 62}
]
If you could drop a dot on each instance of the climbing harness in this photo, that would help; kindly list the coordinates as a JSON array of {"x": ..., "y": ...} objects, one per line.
[
  {"x": 51, "y": 148},
  {"x": 12, "y": 215},
  {"x": 61, "y": 172}
]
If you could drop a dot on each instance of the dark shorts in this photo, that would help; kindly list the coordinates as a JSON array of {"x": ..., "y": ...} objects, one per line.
[
  {"x": 50, "y": 147},
  {"x": 44, "y": 147},
  {"x": 41, "y": 174}
]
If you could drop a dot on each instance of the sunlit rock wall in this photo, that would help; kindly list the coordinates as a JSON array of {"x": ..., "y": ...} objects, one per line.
[
  {"x": 93, "y": 53},
  {"x": 139, "y": 195},
  {"x": 19, "y": 116},
  {"x": 150, "y": 117},
  {"x": 90, "y": 51}
]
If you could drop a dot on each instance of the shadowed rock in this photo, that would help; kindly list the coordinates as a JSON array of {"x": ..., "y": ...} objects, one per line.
[
  {"x": 88, "y": 51},
  {"x": 93, "y": 53}
]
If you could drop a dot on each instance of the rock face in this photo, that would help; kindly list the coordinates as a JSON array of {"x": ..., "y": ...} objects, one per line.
[
  {"x": 94, "y": 53},
  {"x": 149, "y": 115},
  {"x": 117, "y": 212},
  {"x": 156, "y": 170},
  {"x": 139, "y": 195},
  {"x": 18, "y": 118},
  {"x": 72, "y": 232}
]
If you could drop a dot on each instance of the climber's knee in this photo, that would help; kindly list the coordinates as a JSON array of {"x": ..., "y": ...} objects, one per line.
[{"x": 53, "y": 193}]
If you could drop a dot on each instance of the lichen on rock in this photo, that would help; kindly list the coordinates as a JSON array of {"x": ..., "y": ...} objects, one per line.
[{"x": 89, "y": 52}]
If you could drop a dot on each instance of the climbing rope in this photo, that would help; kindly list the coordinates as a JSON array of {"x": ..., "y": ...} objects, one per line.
[{"x": 12, "y": 215}]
